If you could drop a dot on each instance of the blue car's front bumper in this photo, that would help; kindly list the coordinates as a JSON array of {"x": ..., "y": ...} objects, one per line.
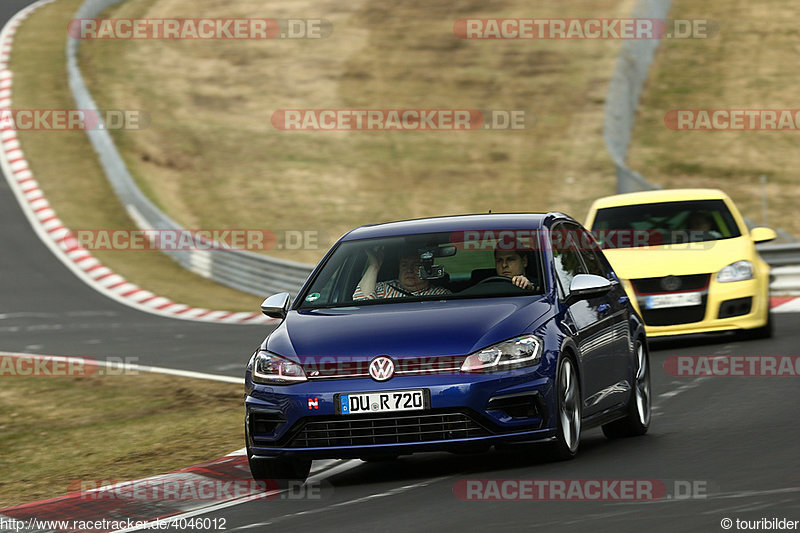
[{"x": 466, "y": 412}]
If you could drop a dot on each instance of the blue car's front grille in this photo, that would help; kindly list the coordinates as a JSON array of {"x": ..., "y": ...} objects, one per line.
[
  {"x": 331, "y": 368},
  {"x": 394, "y": 429}
]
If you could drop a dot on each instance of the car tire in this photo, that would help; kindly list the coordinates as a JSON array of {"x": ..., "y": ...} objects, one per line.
[
  {"x": 637, "y": 419},
  {"x": 568, "y": 411},
  {"x": 279, "y": 469}
]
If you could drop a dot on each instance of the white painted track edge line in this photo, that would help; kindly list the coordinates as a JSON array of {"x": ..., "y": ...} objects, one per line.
[{"x": 132, "y": 369}]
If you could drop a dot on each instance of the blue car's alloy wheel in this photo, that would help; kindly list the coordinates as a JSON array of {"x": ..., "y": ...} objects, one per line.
[
  {"x": 637, "y": 420},
  {"x": 569, "y": 411},
  {"x": 642, "y": 386}
]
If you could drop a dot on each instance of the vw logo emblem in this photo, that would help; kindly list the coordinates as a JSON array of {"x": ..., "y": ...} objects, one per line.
[
  {"x": 381, "y": 368},
  {"x": 671, "y": 283}
]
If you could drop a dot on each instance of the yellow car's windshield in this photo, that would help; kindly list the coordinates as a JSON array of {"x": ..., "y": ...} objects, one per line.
[{"x": 663, "y": 223}]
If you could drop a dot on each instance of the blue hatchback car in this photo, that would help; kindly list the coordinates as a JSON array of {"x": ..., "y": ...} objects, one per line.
[{"x": 452, "y": 333}]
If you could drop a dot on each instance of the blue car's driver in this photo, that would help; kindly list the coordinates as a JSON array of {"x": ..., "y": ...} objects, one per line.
[
  {"x": 512, "y": 264},
  {"x": 408, "y": 283}
]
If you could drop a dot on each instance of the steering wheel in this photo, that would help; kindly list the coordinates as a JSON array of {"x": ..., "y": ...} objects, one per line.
[{"x": 494, "y": 278}]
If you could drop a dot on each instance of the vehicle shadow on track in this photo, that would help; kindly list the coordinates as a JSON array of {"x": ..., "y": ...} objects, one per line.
[
  {"x": 691, "y": 341},
  {"x": 785, "y": 329},
  {"x": 506, "y": 462}
]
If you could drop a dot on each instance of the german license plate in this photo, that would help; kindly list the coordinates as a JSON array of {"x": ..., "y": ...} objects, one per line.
[
  {"x": 382, "y": 402},
  {"x": 683, "y": 299}
]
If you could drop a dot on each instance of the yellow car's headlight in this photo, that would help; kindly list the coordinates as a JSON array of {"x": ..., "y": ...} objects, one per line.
[{"x": 738, "y": 271}]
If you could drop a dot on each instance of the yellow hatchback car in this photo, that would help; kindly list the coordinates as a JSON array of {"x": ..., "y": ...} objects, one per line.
[{"x": 687, "y": 260}]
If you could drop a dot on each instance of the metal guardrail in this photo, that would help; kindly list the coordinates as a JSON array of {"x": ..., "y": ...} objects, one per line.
[
  {"x": 622, "y": 98},
  {"x": 785, "y": 281},
  {"x": 246, "y": 271},
  {"x": 780, "y": 254}
]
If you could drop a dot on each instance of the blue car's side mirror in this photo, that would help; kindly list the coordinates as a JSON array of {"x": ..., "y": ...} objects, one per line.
[
  {"x": 585, "y": 286},
  {"x": 276, "y": 306}
]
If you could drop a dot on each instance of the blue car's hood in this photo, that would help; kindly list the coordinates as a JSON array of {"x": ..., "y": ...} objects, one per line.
[{"x": 428, "y": 328}]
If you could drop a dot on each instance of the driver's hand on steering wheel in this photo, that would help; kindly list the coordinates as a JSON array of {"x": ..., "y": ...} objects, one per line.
[{"x": 522, "y": 282}]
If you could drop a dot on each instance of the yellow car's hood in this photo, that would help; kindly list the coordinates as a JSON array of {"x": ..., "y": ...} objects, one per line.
[{"x": 679, "y": 259}]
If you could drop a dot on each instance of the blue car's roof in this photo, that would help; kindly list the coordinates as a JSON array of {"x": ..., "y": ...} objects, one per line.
[{"x": 492, "y": 221}]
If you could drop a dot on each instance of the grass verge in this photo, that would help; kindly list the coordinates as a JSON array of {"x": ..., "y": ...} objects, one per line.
[
  {"x": 745, "y": 66},
  {"x": 211, "y": 158},
  {"x": 67, "y": 170},
  {"x": 58, "y": 430}
]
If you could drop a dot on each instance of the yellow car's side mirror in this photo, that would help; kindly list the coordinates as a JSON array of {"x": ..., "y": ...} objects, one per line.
[{"x": 763, "y": 234}]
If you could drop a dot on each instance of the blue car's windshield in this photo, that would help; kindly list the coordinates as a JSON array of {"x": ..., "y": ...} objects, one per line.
[{"x": 467, "y": 264}]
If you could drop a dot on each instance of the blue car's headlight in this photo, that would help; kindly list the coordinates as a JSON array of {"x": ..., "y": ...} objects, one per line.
[
  {"x": 272, "y": 369},
  {"x": 738, "y": 271},
  {"x": 521, "y": 351}
]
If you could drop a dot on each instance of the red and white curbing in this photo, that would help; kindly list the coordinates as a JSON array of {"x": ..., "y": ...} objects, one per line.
[
  {"x": 60, "y": 239},
  {"x": 785, "y": 304},
  {"x": 155, "y": 502}
]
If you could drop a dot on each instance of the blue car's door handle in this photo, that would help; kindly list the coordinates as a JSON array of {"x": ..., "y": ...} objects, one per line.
[
  {"x": 602, "y": 308},
  {"x": 624, "y": 299}
]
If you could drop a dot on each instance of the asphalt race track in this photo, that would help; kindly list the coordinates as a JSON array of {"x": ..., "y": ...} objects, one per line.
[{"x": 734, "y": 438}]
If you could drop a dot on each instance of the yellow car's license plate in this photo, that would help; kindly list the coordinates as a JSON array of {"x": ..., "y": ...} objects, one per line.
[{"x": 684, "y": 299}]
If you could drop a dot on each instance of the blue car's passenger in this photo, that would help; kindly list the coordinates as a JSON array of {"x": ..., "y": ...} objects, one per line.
[{"x": 408, "y": 283}]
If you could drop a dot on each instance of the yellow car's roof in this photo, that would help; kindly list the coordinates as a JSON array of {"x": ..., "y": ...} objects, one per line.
[{"x": 652, "y": 197}]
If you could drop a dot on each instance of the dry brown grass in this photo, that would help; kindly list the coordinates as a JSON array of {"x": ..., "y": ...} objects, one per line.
[
  {"x": 54, "y": 431},
  {"x": 750, "y": 64},
  {"x": 211, "y": 158}
]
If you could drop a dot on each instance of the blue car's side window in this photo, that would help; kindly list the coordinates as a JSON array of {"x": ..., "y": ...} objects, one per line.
[
  {"x": 566, "y": 259},
  {"x": 593, "y": 258}
]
